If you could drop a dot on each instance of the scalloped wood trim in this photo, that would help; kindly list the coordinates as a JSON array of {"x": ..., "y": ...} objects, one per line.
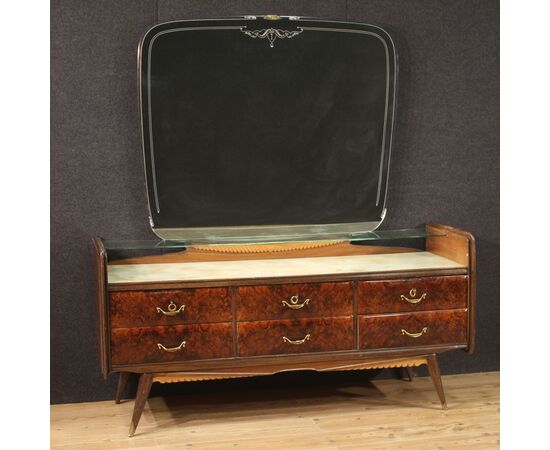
[
  {"x": 182, "y": 377},
  {"x": 388, "y": 364},
  {"x": 178, "y": 377},
  {"x": 266, "y": 248}
]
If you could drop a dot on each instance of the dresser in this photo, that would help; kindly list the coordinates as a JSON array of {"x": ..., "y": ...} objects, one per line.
[
  {"x": 191, "y": 316},
  {"x": 266, "y": 153}
]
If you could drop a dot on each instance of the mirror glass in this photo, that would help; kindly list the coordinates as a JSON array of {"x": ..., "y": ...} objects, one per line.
[{"x": 256, "y": 128}]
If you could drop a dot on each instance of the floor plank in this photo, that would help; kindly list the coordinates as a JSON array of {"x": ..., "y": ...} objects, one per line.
[{"x": 388, "y": 414}]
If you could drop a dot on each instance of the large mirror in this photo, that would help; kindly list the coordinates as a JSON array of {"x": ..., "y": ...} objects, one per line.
[{"x": 266, "y": 130}]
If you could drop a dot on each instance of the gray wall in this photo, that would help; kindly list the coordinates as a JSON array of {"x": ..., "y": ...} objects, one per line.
[{"x": 445, "y": 163}]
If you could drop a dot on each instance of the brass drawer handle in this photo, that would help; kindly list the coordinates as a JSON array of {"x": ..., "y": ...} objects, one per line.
[
  {"x": 172, "y": 309},
  {"x": 297, "y": 342},
  {"x": 413, "y": 300},
  {"x": 173, "y": 349},
  {"x": 414, "y": 335},
  {"x": 294, "y": 302}
]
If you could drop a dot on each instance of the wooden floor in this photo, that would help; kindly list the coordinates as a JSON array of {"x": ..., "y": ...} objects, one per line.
[{"x": 384, "y": 414}]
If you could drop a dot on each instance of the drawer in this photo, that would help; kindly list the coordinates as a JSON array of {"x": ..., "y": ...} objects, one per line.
[
  {"x": 273, "y": 337},
  {"x": 290, "y": 301},
  {"x": 169, "y": 307},
  {"x": 413, "y": 329},
  {"x": 164, "y": 344},
  {"x": 414, "y": 294}
]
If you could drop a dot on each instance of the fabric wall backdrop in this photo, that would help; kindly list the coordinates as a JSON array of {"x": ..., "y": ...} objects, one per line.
[{"x": 445, "y": 163}]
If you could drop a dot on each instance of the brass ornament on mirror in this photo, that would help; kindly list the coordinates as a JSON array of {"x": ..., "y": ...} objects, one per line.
[{"x": 271, "y": 34}]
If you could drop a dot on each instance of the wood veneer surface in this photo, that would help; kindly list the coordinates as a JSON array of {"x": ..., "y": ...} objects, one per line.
[
  {"x": 319, "y": 335},
  {"x": 139, "y": 308},
  {"x": 202, "y": 341},
  {"x": 276, "y": 302},
  {"x": 413, "y": 294},
  {"x": 387, "y": 331}
]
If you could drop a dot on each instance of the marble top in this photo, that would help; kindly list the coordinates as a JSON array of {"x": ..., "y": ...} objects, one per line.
[{"x": 273, "y": 268}]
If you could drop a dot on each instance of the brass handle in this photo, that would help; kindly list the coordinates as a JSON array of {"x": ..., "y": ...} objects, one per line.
[
  {"x": 413, "y": 300},
  {"x": 172, "y": 309},
  {"x": 173, "y": 349},
  {"x": 415, "y": 335},
  {"x": 294, "y": 302},
  {"x": 297, "y": 342}
]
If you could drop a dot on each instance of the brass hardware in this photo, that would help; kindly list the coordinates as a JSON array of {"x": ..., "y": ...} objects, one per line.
[
  {"x": 414, "y": 335},
  {"x": 172, "y": 309},
  {"x": 272, "y": 17},
  {"x": 173, "y": 349},
  {"x": 294, "y": 302},
  {"x": 413, "y": 300},
  {"x": 297, "y": 342}
]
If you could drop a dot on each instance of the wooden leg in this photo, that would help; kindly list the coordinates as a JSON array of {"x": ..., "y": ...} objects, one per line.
[
  {"x": 433, "y": 368},
  {"x": 409, "y": 372},
  {"x": 403, "y": 373},
  {"x": 144, "y": 386},
  {"x": 122, "y": 381}
]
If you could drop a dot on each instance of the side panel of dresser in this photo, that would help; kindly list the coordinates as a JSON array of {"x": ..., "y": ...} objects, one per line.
[
  {"x": 100, "y": 257},
  {"x": 459, "y": 246}
]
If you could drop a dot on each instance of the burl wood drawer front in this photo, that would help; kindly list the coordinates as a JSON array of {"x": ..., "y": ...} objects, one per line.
[
  {"x": 169, "y": 307},
  {"x": 169, "y": 344},
  {"x": 415, "y": 294},
  {"x": 273, "y": 337},
  {"x": 405, "y": 330},
  {"x": 290, "y": 301}
]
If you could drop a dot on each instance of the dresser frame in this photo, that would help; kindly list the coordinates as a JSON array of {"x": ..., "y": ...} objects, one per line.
[{"x": 457, "y": 245}]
